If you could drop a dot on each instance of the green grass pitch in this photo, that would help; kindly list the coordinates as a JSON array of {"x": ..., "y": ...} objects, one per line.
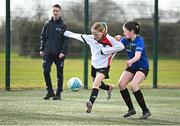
[
  {"x": 26, "y": 107},
  {"x": 28, "y": 73}
]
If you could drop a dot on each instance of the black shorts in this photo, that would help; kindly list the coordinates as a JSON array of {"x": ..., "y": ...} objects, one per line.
[
  {"x": 104, "y": 71},
  {"x": 133, "y": 71}
]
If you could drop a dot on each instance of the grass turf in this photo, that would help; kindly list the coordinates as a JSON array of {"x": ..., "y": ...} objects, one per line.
[
  {"x": 26, "y": 107},
  {"x": 28, "y": 73}
]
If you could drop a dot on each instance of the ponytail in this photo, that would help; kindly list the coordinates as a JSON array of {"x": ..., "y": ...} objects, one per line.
[{"x": 132, "y": 25}]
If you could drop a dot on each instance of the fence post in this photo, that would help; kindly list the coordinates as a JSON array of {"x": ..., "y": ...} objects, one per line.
[
  {"x": 8, "y": 46},
  {"x": 155, "y": 44},
  {"x": 86, "y": 29}
]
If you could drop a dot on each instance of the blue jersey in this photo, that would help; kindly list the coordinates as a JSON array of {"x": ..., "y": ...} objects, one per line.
[{"x": 133, "y": 46}]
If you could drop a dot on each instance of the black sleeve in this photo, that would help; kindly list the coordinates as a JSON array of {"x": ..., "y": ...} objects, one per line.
[
  {"x": 65, "y": 43},
  {"x": 43, "y": 37}
]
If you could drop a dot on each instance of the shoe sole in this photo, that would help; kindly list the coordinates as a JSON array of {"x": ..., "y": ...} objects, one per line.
[
  {"x": 56, "y": 98},
  {"x": 132, "y": 113},
  {"x": 109, "y": 93},
  {"x": 129, "y": 115},
  {"x": 89, "y": 107},
  {"x": 145, "y": 117},
  {"x": 48, "y": 98}
]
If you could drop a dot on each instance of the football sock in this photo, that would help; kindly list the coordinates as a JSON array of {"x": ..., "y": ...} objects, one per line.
[
  {"x": 93, "y": 96},
  {"x": 104, "y": 86},
  {"x": 139, "y": 97},
  {"x": 126, "y": 96}
]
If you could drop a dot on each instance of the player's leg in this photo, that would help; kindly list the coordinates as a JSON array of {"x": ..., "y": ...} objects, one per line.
[
  {"x": 137, "y": 80},
  {"x": 47, "y": 63},
  {"x": 94, "y": 92},
  {"x": 107, "y": 87},
  {"x": 103, "y": 86},
  {"x": 59, "y": 67},
  {"x": 93, "y": 73},
  {"x": 125, "y": 78}
]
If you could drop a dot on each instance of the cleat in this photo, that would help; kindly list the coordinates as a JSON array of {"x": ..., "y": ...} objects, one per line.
[
  {"x": 89, "y": 107},
  {"x": 57, "y": 97},
  {"x": 129, "y": 113},
  {"x": 108, "y": 93},
  {"x": 48, "y": 96},
  {"x": 145, "y": 115}
]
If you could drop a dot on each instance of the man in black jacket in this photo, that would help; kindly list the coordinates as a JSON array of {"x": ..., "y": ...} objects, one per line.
[{"x": 53, "y": 48}]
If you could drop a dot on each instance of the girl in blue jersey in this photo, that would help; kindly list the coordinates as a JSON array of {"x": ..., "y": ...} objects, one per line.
[{"x": 137, "y": 68}]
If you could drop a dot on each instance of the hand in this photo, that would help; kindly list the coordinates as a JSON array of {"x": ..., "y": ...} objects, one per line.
[
  {"x": 118, "y": 37},
  {"x": 41, "y": 53},
  {"x": 61, "y": 55},
  {"x": 129, "y": 63}
]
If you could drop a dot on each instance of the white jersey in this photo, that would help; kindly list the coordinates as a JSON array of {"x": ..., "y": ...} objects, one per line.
[{"x": 101, "y": 55}]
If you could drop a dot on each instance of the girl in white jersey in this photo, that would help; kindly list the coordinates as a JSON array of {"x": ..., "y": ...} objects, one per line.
[{"x": 103, "y": 47}]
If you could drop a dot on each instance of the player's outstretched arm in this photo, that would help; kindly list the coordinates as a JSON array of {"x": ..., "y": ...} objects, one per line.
[{"x": 73, "y": 35}]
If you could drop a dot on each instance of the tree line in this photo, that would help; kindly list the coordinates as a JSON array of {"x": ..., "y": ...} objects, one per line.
[{"x": 25, "y": 31}]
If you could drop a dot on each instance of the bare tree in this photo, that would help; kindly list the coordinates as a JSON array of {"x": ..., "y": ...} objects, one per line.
[
  {"x": 169, "y": 15},
  {"x": 99, "y": 10},
  {"x": 140, "y": 9},
  {"x": 40, "y": 10}
]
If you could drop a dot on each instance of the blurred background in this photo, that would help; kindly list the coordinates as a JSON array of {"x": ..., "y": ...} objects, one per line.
[{"x": 29, "y": 16}]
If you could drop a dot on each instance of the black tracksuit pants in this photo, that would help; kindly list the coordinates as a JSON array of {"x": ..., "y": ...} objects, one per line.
[{"x": 48, "y": 60}]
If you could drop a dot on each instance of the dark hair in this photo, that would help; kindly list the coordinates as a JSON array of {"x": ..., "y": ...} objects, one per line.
[
  {"x": 132, "y": 25},
  {"x": 57, "y": 5}
]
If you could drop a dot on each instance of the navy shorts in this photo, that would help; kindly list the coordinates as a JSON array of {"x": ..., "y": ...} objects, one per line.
[{"x": 133, "y": 71}]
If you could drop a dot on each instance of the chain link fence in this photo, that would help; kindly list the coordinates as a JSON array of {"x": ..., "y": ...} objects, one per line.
[{"x": 29, "y": 16}]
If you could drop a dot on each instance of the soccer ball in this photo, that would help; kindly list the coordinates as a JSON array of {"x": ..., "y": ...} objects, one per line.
[{"x": 74, "y": 84}]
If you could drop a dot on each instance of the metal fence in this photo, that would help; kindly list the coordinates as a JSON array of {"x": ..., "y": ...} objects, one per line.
[{"x": 28, "y": 17}]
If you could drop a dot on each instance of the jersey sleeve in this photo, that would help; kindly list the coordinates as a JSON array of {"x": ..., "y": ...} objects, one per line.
[
  {"x": 140, "y": 45},
  {"x": 81, "y": 37},
  {"x": 116, "y": 46},
  {"x": 123, "y": 41}
]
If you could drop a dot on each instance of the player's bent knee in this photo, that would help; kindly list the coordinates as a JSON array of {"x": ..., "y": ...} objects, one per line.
[
  {"x": 134, "y": 87},
  {"x": 96, "y": 85},
  {"x": 122, "y": 86}
]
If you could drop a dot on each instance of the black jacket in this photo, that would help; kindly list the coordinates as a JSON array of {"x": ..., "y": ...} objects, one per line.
[{"x": 52, "y": 39}]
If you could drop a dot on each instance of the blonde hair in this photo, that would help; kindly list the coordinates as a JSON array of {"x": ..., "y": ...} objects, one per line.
[{"x": 99, "y": 27}]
